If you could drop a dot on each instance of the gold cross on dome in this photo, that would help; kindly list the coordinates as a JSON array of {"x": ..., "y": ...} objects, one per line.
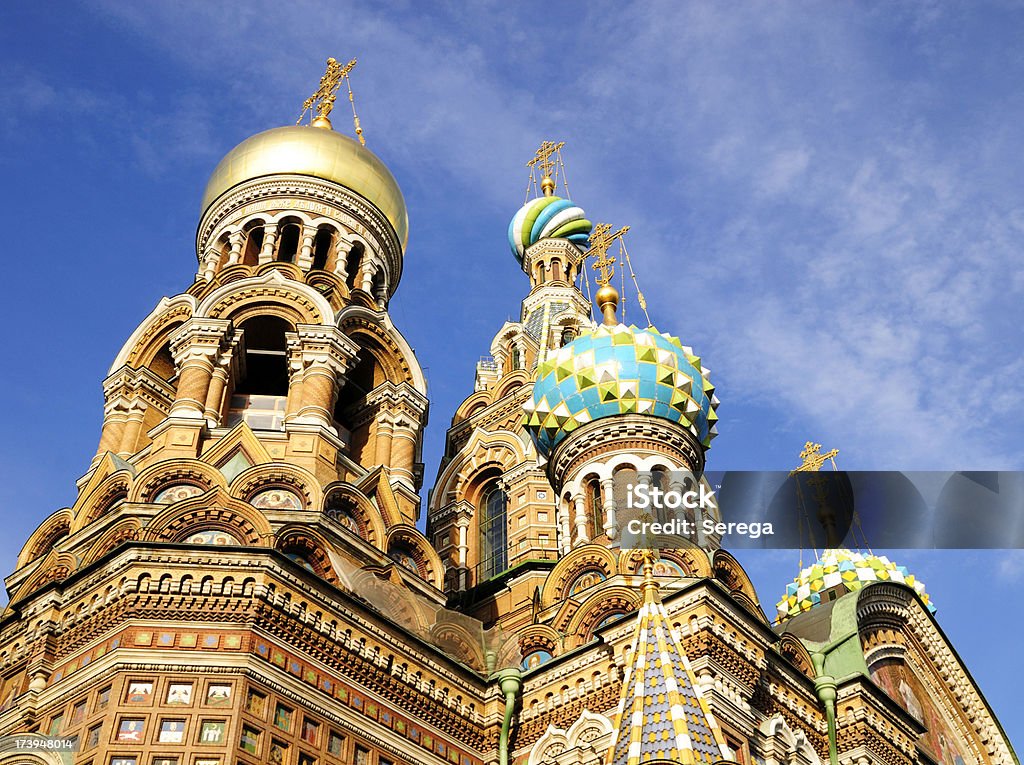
[
  {"x": 812, "y": 459},
  {"x": 326, "y": 93},
  {"x": 600, "y": 241},
  {"x": 544, "y": 155}
]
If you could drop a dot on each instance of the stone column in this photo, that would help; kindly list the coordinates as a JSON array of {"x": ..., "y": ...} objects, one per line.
[
  {"x": 305, "y": 259},
  {"x": 608, "y": 506},
  {"x": 341, "y": 251},
  {"x": 236, "y": 238},
  {"x": 369, "y": 269},
  {"x": 218, "y": 384},
  {"x": 115, "y": 417},
  {"x": 132, "y": 429},
  {"x": 579, "y": 503},
  {"x": 269, "y": 240},
  {"x": 210, "y": 265},
  {"x": 196, "y": 347},
  {"x": 563, "y": 525},
  {"x": 320, "y": 356}
]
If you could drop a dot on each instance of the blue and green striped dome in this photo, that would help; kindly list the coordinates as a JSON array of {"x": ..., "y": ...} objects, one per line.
[
  {"x": 620, "y": 370},
  {"x": 547, "y": 218}
]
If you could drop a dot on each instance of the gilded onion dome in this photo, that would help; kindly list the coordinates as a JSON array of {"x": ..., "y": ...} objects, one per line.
[
  {"x": 617, "y": 369},
  {"x": 317, "y": 151},
  {"x": 547, "y": 217},
  {"x": 839, "y": 572}
]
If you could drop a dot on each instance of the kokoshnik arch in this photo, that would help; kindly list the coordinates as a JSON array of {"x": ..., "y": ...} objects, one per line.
[{"x": 241, "y": 579}]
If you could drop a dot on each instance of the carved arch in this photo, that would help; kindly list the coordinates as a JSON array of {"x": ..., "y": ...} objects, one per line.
[
  {"x": 278, "y": 475},
  {"x": 112, "y": 490},
  {"x": 122, "y": 531},
  {"x": 729, "y": 572},
  {"x": 607, "y": 601},
  {"x": 55, "y": 567},
  {"x": 215, "y": 509},
  {"x": 427, "y": 560},
  {"x": 268, "y": 294},
  {"x": 158, "y": 476},
  {"x": 310, "y": 545},
  {"x": 371, "y": 324},
  {"x": 344, "y": 496},
  {"x": 590, "y": 557},
  {"x": 142, "y": 344},
  {"x": 795, "y": 651},
  {"x": 46, "y": 535}
]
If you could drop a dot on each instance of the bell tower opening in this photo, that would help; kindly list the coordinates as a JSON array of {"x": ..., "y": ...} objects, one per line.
[
  {"x": 261, "y": 393},
  {"x": 322, "y": 247},
  {"x": 288, "y": 245},
  {"x": 352, "y": 265}
]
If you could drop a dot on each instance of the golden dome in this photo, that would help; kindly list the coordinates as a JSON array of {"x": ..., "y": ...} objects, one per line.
[{"x": 318, "y": 152}]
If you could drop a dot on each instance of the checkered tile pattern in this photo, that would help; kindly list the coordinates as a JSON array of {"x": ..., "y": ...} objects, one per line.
[
  {"x": 851, "y": 570},
  {"x": 662, "y": 713},
  {"x": 620, "y": 370}
]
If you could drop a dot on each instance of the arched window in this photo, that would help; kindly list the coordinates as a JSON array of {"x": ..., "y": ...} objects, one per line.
[
  {"x": 260, "y": 395},
  {"x": 595, "y": 505},
  {"x": 493, "y": 531},
  {"x": 353, "y": 262},
  {"x": 322, "y": 247},
  {"x": 288, "y": 242},
  {"x": 253, "y": 244},
  {"x": 517, "y": 359}
]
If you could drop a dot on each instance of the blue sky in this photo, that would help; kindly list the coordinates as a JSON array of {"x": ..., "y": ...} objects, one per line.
[{"x": 825, "y": 202}]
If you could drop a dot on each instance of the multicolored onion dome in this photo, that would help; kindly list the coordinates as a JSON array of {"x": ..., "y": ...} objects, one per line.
[
  {"x": 547, "y": 218},
  {"x": 848, "y": 570},
  {"x": 620, "y": 370}
]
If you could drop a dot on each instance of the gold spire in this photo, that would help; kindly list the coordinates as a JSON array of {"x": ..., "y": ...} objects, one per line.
[
  {"x": 607, "y": 297},
  {"x": 543, "y": 158},
  {"x": 650, "y": 586},
  {"x": 324, "y": 96}
]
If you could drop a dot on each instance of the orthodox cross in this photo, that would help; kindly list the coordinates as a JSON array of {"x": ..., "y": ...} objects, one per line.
[{"x": 600, "y": 241}]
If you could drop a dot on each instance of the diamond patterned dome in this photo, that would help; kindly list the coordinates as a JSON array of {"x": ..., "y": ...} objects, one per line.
[
  {"x": 847, "y": 570},
  {"x": 620, "y": 370}
]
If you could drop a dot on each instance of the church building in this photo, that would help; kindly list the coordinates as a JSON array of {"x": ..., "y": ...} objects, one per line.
[{"x": 242, "y": 578}]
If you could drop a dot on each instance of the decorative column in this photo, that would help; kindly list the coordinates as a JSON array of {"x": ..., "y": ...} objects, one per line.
[
  {"x": 462, "y": 524},
  {"x": 323, "y": 354},
  {"x": 369, "y": 271},
  {"x": 305, "y": 259},
  {"x": 411, "y": 407},
  {"x": 115, "y": 417},
  {"x": 235, "y": 238},
  {"x": 579, "y": 503},
  {"x": 563, "y": 525},
  {"x": 269, "y": 240},
  {"x": 210, "y": 265},
  {"x": 132, "y": 429},
  {"x": 196, "y": 347},
  {"x": 608, "y": 507},
  {"x": 341, "y": 251},
  {"x": 218, "y": 384},
  {"x": 383, "y": 437}
]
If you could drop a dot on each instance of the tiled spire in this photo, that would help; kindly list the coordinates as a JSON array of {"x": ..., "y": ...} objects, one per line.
[{"x": 662, "y": 714}]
